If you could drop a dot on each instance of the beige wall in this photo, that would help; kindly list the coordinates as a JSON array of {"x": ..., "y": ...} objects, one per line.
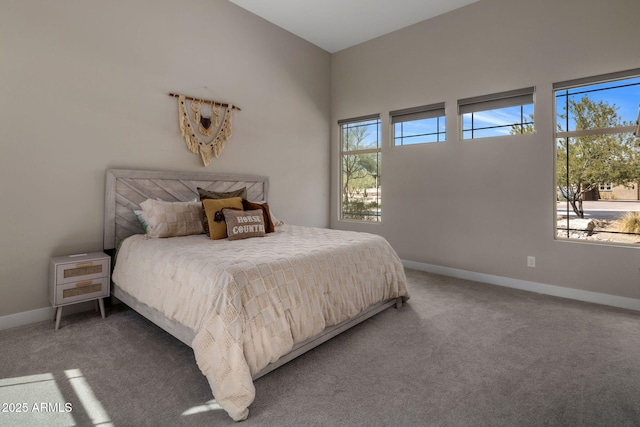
[
  {"x": 83, "y": 88},
  {"x": 485, "y": 205}
]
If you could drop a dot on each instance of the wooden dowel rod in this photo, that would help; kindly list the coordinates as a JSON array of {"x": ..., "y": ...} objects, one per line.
[{"x": 175, "y": 95}]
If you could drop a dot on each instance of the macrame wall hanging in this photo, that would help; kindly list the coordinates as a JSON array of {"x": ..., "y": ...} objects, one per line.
[{"x": 205, "y": 125}]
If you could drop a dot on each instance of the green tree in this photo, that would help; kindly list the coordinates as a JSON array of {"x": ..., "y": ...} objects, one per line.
[
  {"x": 359, "y": 170},
  {"x": 524, "y": 128},
  {"x": 585, "y": 162}
]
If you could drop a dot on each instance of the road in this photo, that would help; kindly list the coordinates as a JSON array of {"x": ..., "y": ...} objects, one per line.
[{"x": 603, "y": 209}]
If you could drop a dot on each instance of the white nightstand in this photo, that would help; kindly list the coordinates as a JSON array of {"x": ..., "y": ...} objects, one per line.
[{"x": 79, "y": 278}]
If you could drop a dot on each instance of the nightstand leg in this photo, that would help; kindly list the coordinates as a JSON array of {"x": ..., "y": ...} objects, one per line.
[
  {"x": 58, "y": 316},
  {"x": 101, "y": 302}
]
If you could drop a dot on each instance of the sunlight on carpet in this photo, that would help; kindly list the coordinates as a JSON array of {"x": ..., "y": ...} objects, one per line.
[
  {"x": 90, "y": 403},
  {"x": 36, "y": 400},
  {"x": 211, "y": 405},
  {"x": 32, "y": 400}
]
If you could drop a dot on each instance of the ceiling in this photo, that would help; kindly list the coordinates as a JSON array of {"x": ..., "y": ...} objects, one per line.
[{"x": 334, "y": 25}]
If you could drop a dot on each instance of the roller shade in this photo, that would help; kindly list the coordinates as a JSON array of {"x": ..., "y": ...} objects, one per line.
[
  {"x": 568, "y": 84},
  {"x": 494, "y": 101},
  {"x": 417, "y": 113},
  {"x": 359, "y": 119}
]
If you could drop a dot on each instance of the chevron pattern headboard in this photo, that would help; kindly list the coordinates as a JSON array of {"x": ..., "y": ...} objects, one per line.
[{"x": 126, "y": 189}]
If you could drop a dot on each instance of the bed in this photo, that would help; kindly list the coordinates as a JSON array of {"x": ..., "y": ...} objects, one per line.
[{"x": 245, "y": 306}]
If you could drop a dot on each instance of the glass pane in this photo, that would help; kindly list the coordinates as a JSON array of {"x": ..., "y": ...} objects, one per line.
[
  {"x": 361, "y": 187},
  {"x": 361, "y": 135},
  {"x": 598, "y": 106},
  {"x": 420, "y": 131},
  {"x": 598, "y": 197},
  {"x": 498, "y": 122}
]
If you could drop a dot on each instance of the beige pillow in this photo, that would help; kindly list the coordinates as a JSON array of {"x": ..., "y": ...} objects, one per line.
[
  {"x": 172, "y": 219},
  {"x": 244, "y": 224},
  {"x": 217, "y": 225}
]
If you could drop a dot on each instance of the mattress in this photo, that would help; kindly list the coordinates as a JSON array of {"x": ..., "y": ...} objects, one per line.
[{"x": 250, "y": 301}]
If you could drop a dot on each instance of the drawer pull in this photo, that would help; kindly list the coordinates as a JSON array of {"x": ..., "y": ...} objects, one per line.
[
  {"x": 80, "y": 284},
  {"x": 84, "y": 264}
]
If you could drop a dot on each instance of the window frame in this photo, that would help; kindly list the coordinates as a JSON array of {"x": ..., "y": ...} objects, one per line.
[
  {"x": 568, "y": 134},
  {"x": 496, "y": 101},
  {"x": 377, "y": 151},
  {"x": 432, "y": 111}
]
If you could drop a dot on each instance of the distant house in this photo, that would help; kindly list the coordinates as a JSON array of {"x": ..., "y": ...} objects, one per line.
[{"x": 611, "y": 192}]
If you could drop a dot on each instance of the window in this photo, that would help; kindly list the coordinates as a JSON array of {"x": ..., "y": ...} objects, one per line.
[
  {"x": 598, "y": 158},
  {"x": 360, "y": 169},
  {"x": 419, "y": 125},
  {"x": 499, "y": 114}
]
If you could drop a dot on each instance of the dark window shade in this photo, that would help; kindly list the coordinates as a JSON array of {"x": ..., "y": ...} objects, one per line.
[
  {"x": 417, "y": 113},
  {"x": 568, "y": 84},
  {"x": 359, "y": 119},
  {"x": 494, "y": 101}
]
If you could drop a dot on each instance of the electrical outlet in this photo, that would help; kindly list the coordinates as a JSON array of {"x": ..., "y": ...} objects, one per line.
[{"x": 531, "y": 261}]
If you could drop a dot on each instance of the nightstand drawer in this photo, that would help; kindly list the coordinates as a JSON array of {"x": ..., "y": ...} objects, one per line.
[
  {"x": 81, "y": 291},
  {"x": 82, "y": 270}
]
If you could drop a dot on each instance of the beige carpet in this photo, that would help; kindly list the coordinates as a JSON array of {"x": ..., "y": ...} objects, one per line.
[{"x": 458, "y": 354}]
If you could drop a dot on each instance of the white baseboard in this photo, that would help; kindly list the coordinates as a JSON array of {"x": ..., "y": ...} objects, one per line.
[
  {"x": 40, "y": 315},
  {"x": 558, "y": 291}
]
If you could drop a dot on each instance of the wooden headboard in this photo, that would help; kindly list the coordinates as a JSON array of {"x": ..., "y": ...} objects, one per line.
[{"x": 126, "y": 189}]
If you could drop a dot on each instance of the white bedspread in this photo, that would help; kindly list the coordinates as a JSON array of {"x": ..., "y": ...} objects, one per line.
[{"x": 249, "y": 301}]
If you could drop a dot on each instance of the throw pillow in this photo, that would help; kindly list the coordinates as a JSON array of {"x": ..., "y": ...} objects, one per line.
[
  {"x": 216, "y": 195},
  {"x": 268, "y": 223},
  {"x": 215, "y": 217},
  {"x": 172, "y": 219},
  {"x": 244, "y": 224}
]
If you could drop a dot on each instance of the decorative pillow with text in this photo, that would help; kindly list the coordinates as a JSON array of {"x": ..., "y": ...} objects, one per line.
[{"x": 244, "y": 224}]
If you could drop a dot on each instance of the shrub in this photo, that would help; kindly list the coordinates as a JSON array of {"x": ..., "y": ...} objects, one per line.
[{"x": 630, "y": 222}]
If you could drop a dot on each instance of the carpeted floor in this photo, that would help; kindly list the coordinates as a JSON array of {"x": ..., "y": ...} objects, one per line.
[{"x": 459, "y": 353}]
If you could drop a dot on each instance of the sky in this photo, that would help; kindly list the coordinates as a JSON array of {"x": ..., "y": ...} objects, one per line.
[{"x": 624, "y": 94}]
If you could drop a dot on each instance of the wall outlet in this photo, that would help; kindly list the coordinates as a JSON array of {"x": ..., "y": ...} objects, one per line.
[{"x": 531, "y": 261}]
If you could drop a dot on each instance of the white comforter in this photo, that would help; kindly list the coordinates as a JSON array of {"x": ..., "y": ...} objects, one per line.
[{"x": 249, "y": 301}]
